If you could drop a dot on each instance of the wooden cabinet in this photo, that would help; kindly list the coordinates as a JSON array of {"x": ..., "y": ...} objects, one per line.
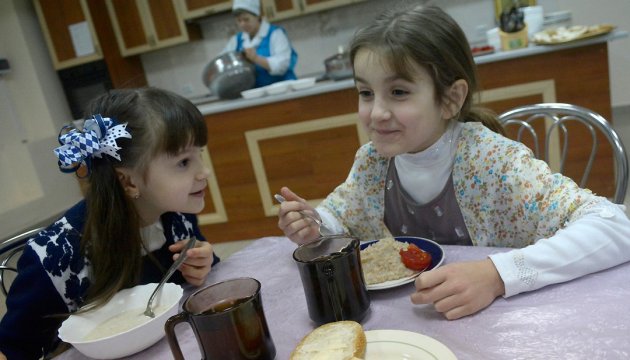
[
  {"x": 282, "y": 9},
  {"x": 69, "y": 32},
  {"x": 309, "y": 6},
  {"x": 146, "y": 25},
  {"x": 191, "y": 9}
]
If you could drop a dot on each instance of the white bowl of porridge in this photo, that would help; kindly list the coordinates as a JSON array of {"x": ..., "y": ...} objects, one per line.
[{"x": 120, "y": 328}]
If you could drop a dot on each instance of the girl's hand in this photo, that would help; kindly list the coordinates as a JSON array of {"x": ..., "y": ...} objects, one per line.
[
  {"x": 296, "y": 227},
  {"x": 459, "y": 289},
  {"x": 197, "y": 265}
]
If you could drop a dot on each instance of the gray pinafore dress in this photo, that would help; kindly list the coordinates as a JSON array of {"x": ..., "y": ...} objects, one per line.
[{"x": 439, "y": 220}]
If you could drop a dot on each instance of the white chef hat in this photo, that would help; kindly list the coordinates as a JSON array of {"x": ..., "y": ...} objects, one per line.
[{"x": 253, "y": 6}]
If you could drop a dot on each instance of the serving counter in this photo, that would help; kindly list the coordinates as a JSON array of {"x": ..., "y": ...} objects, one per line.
[{"x": 307, "y": 139}]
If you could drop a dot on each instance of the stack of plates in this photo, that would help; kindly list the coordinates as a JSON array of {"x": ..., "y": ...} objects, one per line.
[{"x": 279, "y": 88}]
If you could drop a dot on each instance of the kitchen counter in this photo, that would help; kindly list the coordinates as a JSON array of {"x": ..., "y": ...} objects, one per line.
[
  {"x": 218, "y": 106},
  {"x": 534, "y": 49},
  {"x": 307, "y": 139},
  {"x": 211, "y": 105}
]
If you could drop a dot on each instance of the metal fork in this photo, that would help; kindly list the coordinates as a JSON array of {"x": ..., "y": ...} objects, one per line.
[{"x": 182, "y": 256}]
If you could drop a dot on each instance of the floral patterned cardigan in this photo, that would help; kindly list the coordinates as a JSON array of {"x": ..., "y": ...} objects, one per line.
[{"x": 507, "y": 197}]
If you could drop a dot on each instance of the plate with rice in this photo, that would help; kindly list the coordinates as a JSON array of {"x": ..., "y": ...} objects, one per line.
[{"x": 383, "y": 267}]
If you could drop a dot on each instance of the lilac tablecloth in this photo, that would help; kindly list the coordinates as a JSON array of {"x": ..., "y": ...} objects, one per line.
[{"x": 588, "y": 318}]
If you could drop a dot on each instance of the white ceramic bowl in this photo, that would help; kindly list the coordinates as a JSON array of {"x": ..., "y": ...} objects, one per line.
[
  {"x": 75, "y": 329},
  {"x": 302, "y": 83},
  {"x": 278, "y": 88},
  {"x": 253, "y": 93}
]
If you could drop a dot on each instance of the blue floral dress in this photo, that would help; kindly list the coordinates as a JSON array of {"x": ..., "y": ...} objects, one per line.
[{"x": 53, "y": 278}]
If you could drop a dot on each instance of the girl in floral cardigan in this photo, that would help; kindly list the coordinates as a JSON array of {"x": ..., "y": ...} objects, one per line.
[{"x": 440, "y": 168}]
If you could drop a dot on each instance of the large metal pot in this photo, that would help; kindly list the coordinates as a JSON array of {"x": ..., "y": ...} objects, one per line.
[
  {"x": 229, "y": 74},
  {"x": 338, "y": 66}
]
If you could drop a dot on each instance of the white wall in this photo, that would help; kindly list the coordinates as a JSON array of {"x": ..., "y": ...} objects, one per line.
[
  {"x": 32, "y": 107},
  {"x": 316, "y": 36}
]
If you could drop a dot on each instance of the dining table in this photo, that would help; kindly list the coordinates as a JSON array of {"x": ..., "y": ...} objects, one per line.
[{"x": 586, "y": 318}]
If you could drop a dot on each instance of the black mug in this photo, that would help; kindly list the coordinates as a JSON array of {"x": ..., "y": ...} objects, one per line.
[
  {"x": 228, "y": 321},
  {"x": 330, "y": 269}
]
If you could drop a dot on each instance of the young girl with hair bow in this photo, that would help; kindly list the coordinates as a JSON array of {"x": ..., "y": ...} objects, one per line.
[{"x": 140, "y": 152}]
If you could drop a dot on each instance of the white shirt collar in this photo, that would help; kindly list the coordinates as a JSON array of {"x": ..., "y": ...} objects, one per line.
[
  {"x": 424, "y": 174},
  {"x": 262, "y": 32},
  {"x": 153, "y": 236},
  {"x": 438, "y": 153}
]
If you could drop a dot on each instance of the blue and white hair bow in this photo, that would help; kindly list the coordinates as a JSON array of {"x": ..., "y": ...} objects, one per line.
[{"x": 98, "y": 137}]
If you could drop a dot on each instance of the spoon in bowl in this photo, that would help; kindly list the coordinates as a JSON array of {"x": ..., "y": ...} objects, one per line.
[
  {"x": 323, "y": 229},
  {"x": 182, "y": 256}
]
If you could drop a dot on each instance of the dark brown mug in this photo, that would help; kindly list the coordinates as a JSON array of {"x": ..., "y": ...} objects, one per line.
[
  {"x": 333, "y": 281},
  {"x": 228, "y": 321}
]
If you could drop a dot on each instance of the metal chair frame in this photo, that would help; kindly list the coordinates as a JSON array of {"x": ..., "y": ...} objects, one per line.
[
  {"x": 561, "y": 114},
  {"x": 9, "y": 248}
]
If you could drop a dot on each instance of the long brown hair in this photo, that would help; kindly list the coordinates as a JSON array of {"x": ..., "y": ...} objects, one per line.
[
  {"x": 158, "y": 121},
  {"x": 429, "y": 37}
]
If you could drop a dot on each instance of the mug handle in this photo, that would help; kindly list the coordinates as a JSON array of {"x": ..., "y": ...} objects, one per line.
[{"x": 169, "y": 328}]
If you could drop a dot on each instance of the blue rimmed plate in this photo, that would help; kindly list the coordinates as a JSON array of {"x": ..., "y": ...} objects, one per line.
[{"x": 430, "y": 246}]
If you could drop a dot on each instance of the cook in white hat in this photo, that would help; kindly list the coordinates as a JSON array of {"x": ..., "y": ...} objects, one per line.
[{"x": 264, "y": 44}]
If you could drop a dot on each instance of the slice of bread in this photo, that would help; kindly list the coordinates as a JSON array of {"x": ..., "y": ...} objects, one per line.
[{"x": 340, "y": 340}]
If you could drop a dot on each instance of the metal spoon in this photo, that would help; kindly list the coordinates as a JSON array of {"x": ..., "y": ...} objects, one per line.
[
  {"x": 182, "y": 256},
  {"x": 323, "y": 229}
]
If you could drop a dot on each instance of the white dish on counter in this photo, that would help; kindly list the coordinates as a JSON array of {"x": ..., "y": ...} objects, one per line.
[
  {"x": 280, "y": 87},
  {"x": 253, "y": 93},
  {"x": 302, "y": 83},
  {"x": 277, "y": 88}
]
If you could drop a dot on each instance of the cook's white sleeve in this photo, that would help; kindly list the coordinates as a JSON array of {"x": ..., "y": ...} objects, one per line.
[
  {"x": 230, "y": 46},
  {"x": 596, "y": 241},
  {"x": 280, "y": 49},
  {"x": 330, "y": 220}
]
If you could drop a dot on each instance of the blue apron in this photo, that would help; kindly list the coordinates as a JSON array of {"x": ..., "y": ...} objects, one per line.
[{"x": 263, "y": 77}]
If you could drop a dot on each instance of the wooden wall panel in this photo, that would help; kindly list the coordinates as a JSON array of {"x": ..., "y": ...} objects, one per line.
[
  {"x": 234, "y": 171},
  {"x": 581, "y": 77}
]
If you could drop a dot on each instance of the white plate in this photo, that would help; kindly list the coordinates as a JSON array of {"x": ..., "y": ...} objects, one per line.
[
  {"x": 278, "y": 88},
  {"x": 399, "y": 344},
  {"x": 303, "y": 83},
  {"x": 253, "y": 93},
  {"x": 392, "y": 283},
  {"x": 430, "y": 246}
]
